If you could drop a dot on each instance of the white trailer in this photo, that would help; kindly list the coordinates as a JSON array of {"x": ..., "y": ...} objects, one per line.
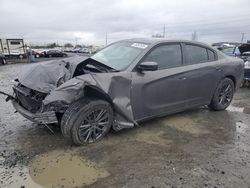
[{"x": 12, "y": 47}]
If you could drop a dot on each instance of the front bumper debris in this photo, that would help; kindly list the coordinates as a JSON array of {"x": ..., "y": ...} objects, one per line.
[{"x": 38, "y": 117}]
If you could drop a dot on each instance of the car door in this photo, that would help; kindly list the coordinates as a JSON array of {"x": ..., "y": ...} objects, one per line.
[
  {"x": 161, "y": 91},
  {"x": 202, "y": 73}
]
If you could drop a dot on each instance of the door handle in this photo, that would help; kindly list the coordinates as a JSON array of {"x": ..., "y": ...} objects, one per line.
[
  {"x": 218, "y": 69},
  {"x": 183, "y": 78}
]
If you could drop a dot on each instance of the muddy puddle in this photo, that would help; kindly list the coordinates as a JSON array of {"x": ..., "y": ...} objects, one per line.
[
  {"x": 64, "y": 169},
  {"x": 185, "y": 123},
  {"x": 149, "y": 137}
]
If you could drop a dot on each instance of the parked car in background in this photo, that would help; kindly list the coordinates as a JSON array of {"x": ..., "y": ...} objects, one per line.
[
  {"x": 68, "y": 49},
  {"x": 241, "y": 51},
  {"x": 244, "y": 54},
  {"x": 36, "y": 54},
  {"x": 84, "y": 50},
  {"x": 125, "y": 83},
  {"x": 76, "y": 50},
  {"x": 54, "y": 53},
  {"x": 246, "y": 80},
  {"x": 2, "y": 59},
  {"x": 244, "y": 50},
  {"x": 230, "y": 51}
]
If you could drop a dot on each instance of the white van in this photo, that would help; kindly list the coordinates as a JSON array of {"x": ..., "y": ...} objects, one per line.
[{"x": 12, "y": 47}]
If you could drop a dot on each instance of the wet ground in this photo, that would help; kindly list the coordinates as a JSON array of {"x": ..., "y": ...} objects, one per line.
[{"x": 198, "y": 148}]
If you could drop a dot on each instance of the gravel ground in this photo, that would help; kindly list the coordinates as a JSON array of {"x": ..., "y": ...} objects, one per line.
[{"x": 197, "y": 148}]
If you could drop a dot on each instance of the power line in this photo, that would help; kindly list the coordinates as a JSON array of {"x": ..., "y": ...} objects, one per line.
[{"x": 210, "y": 21}]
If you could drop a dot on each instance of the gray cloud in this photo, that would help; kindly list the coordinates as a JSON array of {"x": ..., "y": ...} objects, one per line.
[{"x": 88, "y": 21}]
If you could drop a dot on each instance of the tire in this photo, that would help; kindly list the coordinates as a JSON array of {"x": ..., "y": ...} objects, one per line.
[
  {"x": 223, "y": 95},
  {"x": 78, "y": 122}
]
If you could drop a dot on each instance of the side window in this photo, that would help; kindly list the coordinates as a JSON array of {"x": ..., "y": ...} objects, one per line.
[
  {"x": 211, "y": 55},
  {"x": 196, "y": 54},
  {"x": 167, "y": 56}
]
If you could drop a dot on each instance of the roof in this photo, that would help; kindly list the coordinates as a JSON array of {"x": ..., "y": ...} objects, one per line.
[{"x": 154, "y": 41}]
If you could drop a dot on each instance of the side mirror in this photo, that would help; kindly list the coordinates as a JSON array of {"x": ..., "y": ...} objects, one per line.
[{"x": 147, "y": 66}]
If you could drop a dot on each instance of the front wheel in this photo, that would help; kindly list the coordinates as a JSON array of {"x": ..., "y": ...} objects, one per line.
[
  {"x": 87, "y": 121},
  {"x": 223, "y": 95}
]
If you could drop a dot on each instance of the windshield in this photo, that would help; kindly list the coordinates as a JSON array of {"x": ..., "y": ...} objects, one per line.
[{"x": 119, "y": 55}]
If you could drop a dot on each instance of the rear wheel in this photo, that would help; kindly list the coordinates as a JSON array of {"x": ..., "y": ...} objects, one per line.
[
  {"x": 87, "y": 121},
  {"x": 223, "y": 95}
]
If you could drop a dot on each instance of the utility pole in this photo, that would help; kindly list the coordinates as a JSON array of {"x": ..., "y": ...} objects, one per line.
[
  {"x": 242, "y": 37},
  {"x": 76, "y": 41},
  {"x": 194, "y": 36},
  {"x": 106, "y": 39},
  {"x": 164, "y": 31}
]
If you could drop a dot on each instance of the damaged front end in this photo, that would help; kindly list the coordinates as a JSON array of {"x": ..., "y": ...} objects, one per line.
[
  {"x": 29, "y": 104},
  {"x": 43, "y": 98},
  {"x": 35, "y": 82}
]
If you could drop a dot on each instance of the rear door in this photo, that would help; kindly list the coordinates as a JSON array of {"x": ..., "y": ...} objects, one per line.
[
  {"x": 162, "y": 91},
  {"x": 202, "y": 73}
]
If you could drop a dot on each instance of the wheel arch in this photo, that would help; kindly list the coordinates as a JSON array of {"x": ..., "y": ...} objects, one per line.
[
  {"x": 93, "y": 91},
  {"x": 233, "y": 79}
]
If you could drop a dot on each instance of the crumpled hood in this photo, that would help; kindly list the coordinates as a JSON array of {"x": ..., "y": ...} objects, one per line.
[{"x": 44, "y": 76}]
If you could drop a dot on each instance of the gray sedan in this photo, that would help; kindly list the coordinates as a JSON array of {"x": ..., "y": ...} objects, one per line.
[{"x": 125, "y": 83}]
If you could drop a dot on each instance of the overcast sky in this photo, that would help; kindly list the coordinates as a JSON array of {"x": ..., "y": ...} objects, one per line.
[{"x": 87, "y": 22}]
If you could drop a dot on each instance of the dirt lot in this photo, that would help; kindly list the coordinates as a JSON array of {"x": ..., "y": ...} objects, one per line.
[{"x": 198, "y": 148}]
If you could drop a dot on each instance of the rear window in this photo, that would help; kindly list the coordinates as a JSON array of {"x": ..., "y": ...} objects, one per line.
[{"x": 196, "y": 54}]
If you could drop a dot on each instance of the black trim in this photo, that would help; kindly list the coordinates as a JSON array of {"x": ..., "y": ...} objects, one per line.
[
  {"x": 7, "y": 42},
  {"x": 23, "y": 46},
  {"x": 1, "y": 46}
]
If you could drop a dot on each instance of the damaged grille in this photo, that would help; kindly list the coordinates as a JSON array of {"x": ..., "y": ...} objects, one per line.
[{"x": 29, "y": 99}]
